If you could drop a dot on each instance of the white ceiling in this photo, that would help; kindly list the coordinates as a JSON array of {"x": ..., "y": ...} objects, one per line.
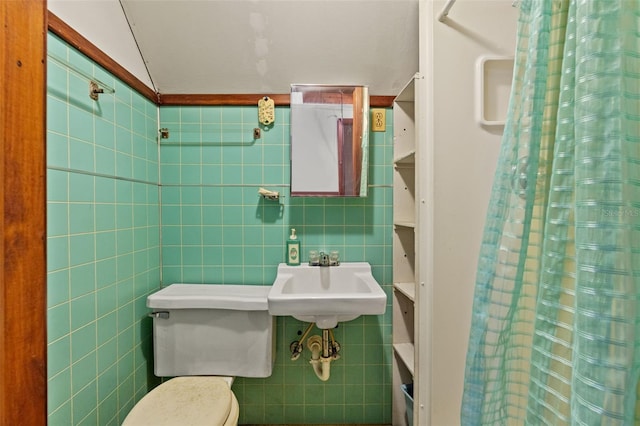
[{"x": 263, "y": 46}]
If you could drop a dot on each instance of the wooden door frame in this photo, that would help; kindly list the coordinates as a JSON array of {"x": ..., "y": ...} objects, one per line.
[{"x": 23, "y": 372}]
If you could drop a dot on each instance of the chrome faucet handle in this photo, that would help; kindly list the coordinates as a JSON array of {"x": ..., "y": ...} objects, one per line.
[{"x": 314, "y": 258}]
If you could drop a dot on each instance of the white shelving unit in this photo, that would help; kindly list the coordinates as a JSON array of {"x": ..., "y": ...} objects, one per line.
[{"x": 405, "y": 248}]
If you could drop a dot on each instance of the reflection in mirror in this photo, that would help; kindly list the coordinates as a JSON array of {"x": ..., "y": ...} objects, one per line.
[{"x": 329, "y": 140}]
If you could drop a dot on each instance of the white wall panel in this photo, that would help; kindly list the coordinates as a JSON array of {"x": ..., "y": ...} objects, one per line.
[
  {"x": 103, "y": 23},
  {"x": 465, "y": 156}
]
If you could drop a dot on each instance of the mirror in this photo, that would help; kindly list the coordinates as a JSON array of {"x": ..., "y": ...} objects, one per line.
[{"x": 329, "y": 140}]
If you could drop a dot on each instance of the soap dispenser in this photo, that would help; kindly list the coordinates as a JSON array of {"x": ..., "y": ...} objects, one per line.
[{"x": 293, "y": 249}]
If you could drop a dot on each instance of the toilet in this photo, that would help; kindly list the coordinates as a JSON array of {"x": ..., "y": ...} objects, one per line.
[{"x": 204, "y": 335}]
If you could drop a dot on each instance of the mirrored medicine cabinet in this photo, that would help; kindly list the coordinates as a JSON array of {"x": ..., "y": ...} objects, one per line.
[{"x": 329, "y": 140}]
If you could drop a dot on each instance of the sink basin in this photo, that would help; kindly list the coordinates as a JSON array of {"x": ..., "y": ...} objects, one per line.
[{"x": 326, "y": 295}]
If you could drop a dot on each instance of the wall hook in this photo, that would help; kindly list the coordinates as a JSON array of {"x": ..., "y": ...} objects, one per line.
[{"x": 94, "y": 90}]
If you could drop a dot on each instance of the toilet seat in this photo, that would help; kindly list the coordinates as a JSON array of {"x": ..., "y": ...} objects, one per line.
[{"x": 183, "y": 401}]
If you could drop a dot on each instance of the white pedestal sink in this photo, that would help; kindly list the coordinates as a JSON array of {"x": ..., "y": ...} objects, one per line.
[{"x": 326, "y": 295}]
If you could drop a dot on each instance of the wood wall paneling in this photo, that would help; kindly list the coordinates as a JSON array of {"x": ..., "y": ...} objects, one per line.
[{"x": 23, "y": 390}]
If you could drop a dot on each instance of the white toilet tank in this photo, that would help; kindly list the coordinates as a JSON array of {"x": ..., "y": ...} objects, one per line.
[{"x": 209, "y": 329}]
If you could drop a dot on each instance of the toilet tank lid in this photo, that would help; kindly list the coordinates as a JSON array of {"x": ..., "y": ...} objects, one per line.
[{"x": 210, "y": 296}]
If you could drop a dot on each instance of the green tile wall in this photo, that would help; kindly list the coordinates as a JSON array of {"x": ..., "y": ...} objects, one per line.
[
  {"x": 112, "y": 231},
  {"x": 103, "y": 243},
  {"x": 216, "y": 229}
]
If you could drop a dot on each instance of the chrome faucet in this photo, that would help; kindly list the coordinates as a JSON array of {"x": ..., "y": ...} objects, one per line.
[{"x": 324, "y": 259}]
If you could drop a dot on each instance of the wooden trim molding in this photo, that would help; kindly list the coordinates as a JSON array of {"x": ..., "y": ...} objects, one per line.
[
  {"x": 219, "y": 100},
  {"x": 246, "y": 100},
  {"x": 23, "y": 371},
  {"x": 75, "y": 39},
  {"x": 381, "y": 101}
]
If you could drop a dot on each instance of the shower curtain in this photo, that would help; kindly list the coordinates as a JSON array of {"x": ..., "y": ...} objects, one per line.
[{"x": 555, "y": 334}]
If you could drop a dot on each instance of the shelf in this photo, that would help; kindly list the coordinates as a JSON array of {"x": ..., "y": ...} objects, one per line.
[
  {"x": 408, "y": 158},
  {"x": 404, "y": 200},
  {"x": 408, "y": 289},
  {"x": 406, "y": 227},
  {"x": 404, "y": 224},
  {"x": 407, "y": 94},
  {"x": 406, "y": 353},
  {"x": 493, "y": 87},
  {"x": 404, "y": 136}
]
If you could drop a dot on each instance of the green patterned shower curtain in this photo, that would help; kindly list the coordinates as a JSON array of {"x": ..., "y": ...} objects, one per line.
[{"x": 555, "y": 334}]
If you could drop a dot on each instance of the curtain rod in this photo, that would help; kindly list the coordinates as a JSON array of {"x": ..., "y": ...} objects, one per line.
[
  {"x": 447, "y": 7},
  {"x": 445, "y": 10}
]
